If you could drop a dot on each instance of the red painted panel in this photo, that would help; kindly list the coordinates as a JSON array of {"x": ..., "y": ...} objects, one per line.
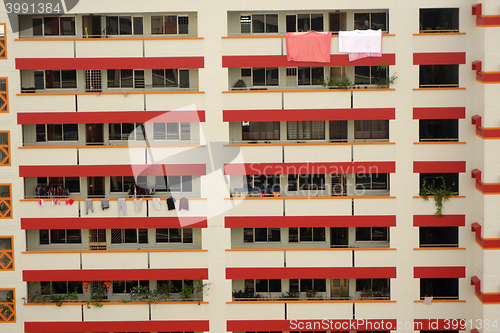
[
  {"x": 109, "y": 63},
  {"x": 117, "y": 326},
  {"x": 110, "y": 117},
  {"x": 488, "y": 133},
  {"x": 439, "y": 113},
  {"x": 115, "y": 274},
  {"x": 310, "y": 114},
  {"x": 111, "y": 170},
  {"x": 477, "y": 10},
  {"x": 439, "y": 58},
  {"x": 439, "y": 272},
  {"x": 306, "y": 325},
  {"x": 488, "y": 21},
  {"x": 438, "y": 167},
  {"x": 113, "y": 222},
  {"x": 308, "y": 221},
  {"x": 488, "y": 77},
  {"x": 281, "y": 61},
  {"x": 309, "y": 168},
  {"x": 435, "y": 221},
  {"x": 311, "y": 272}
]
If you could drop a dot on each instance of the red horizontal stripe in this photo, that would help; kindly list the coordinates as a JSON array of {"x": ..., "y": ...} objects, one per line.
[
  {"x": 490, "y": 20},
  {"x": 109, "y": 63},
  {"x": 435, "y": 221},
  {"x": 438, "y": 167},
  {"x": 310, "y": 114},
  {"x": 439, "y": 272},
  {"x": 486, "y": 133},
  {"x": 111, "y": 170},
  {"x": 306, "y": 325},
  {"x": 485, "y": 77},
  {"x": 113, "y": 222},
  {"x": 281, "y": 61},
  {"x": 115, "y": 274},
  {"x": 439, "y": 113},
  {"x": 439, "y": 58},
  {"x": 309, "y": 168},
  {"x": 488, "y": 188},
  {"x": 308, "y": 221},
  {"x": 117, "y": 326},
  {"x": 310, "y": 273},
  {"x": 28, "y": 118}
]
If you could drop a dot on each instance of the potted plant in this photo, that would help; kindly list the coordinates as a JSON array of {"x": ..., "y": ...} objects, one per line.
[
  {"x": 385, "y": 82},
  {"x": 441, "y": 194}
]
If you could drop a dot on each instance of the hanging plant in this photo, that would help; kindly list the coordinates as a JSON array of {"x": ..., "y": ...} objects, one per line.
[{"x": 441, "y": 193}]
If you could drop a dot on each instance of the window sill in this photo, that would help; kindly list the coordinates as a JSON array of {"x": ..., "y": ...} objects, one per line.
[
  {"x": 271, "y": 90},
  {"x": 317, "y": 249},
  {"x": 431, "y": 196},
  {"x": 309, "y": 144},
  {"x": 439, "y": 143},
  {"x": 423, "y": 33},
  {"x": 100, "y": 38},
  {"x": 442, "y": 301},
  {"x": 108, "y": 146},
  {"x": 258, "y": 301},
  {"x": 114, "y": 251},
  {"x": 327, "y": 197},
  {"x": 110, "y": 199},
  {"x": 106, "y": 302},
  {"x": 440, "y": 88},
  {"x": 444, "y": 248},
  {"x": 278, "y": 35}
]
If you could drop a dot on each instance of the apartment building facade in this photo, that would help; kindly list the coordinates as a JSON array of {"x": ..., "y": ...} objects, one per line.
[{"x": 164, "y": 167}]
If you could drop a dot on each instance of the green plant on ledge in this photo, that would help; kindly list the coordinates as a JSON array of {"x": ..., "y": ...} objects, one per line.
[
  {"x": 385, "y": 81},
  {"x": 331, "y": 82},
  {"x": 97, "y": 295},
  {"x": 441, "y": 193}
]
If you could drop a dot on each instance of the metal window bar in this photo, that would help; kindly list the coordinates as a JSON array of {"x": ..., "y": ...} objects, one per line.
[{"x": 93, "y": 80}]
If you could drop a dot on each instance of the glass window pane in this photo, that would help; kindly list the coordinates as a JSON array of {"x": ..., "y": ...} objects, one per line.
[
  {"x": 306, "y": 234},
  {"x": 379, "y": 21},
  {"x": 187, "y": 235},
  {"x": 127, "y": 78},
  {"x": 51, "y": 26},
  {"x": 130, "y": 235},
  {"x": 73, "y": 184},
  {"x": 187, "y": 183},
  {"x": 172, "y": 131},
  {"x": 248, "y": 235},
  {"x": 139, "y": 132},
  {"x": 379, "y": 233},
  {"x": 44, "y": 236},
  {"x": 171, "y": 79},
  {"x": 119, "y": 287},
  {"x": 68, "y": 79},
  {"x": 175, "y": 235},
  {"x": 139, "y": 78},
  {"x": 303, "y": 22},
  {"x": 59, "y": 287},
  {"x": 52, "y": 79},
  {"x": 261, "y": 234},
  {"x": 245, "y": 24},
  {"x": 125, "y": 25},
  {"x": 162, "y": 235},
  {"x": 274, "y": 234},
  {"x": 158, "y": 78},
  {"x": 319, "y": 285},
  {"x": 70, "y": 132},
  {"x": 170, "y": 24},
  {"x": 306, "y": 285},
  {"x": 74, "y": 236},
  {"x": 159, "y": 131},
  {"x": 271, "y": 23},
  {"x": 317, "y": 75},
  {"x": 183, "y": 78},
  {"x": 143, "y": 236},
  {"x": 259, "y": 76},
  {"x": 272, "y": 76},
  {"x": 75, "y": 286},
  {"x": 156, "y": 25},
  {"x": 183, "y": 25},
  {"x": 261, "y": 285},
  {"x": 275, "y": 285},
  {"x": 258, "y": 23},
  {"x": 40, "y": 133},
  {"x": 185, "y": 131},
  {"x": 67, "y": 26},
  {"x": 317, "y": 22},
  {"x": 318, "y": 234},
  {"x": 111, "y": 25},
  {"x": 361, "y": 21},
  {"x": 304, "y": 76},
  {"x": 37, "y": 27},
  {"x": 363, "y": 234},
  {"x": 54, "y": 132},
  {"x": 57, "y": 236},
  {"x": 138, "y": 25}
]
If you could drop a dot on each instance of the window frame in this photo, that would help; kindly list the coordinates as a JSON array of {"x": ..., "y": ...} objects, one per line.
[
  {"x": 428, "y": 280},
  {"x": 373, "y": 132},
  {"x": 62, "y": 133},
  {"x": 434, "y": 73},
  {"x": 5, "y": 148},
  {"x": 363, "y": 186},
  {"x": 175, "y": 289},
  {"x": 427, "y": 231},
  {"x": 252, "y": 76},
  {"x": 178, "y": 16},
  {"x": 178, "y": 85},
  {"x": 59, "y": 26},
  {"x": 7, "y": 201},
  {"x": 64, "y": 184},
  {"x": 309, "y": 124},
  {"x": 139, "y": 283},
  {"x": 425, "y": 128},
  {"x": 4, "y": 95},
  {"x": 60, "y": 76},
  {"x": 300, "y": 285},
  {"x": 3, "y": 41},
  {"x": 296, "y": 14},
  {"x": 184, "y": 239},
  {"x": 9, "y": 254},
  {"x": 11, "y": 306},
  {"x": 179, "y": 131},
  {"x": 122, "y": 135},
  {"x": 455, "y": 183},
  {"x": 423, "y": 29},
  {"x": 312, "y": 232},
  {"x": 269, "y": 234},
  {"x": 120, "y": 78},
  {"x": 123, "y": 235},
  {"x": 265, "y": 24},
  {"x": 51, "y": 242},
  {"x": 312, "y": 81},
  {"x": 261, "y": 132},
  {"x": 374, "y": 78},
  {"x": 183, "y": 180},
  {"x": 371, "y": 286},
  {"x": 370, "y": 19},
  {"x": 67, "y": 287},
  {"x": 387, "y": 231},
  {"x": 132, "y": 25}
]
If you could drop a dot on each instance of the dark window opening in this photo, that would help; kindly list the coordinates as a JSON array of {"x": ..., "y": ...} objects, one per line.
[
  {"x": 439, "y": 288},
  {"x": 438, "y": 236},
  {"x": 439, "y": 19},
  {"x": 435, "y": 180},
  {"x": 438, "y": 129},
  {"x": 438, "y": 76}
]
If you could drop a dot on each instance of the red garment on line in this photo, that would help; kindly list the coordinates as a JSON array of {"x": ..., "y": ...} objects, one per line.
[{"x": 310, "y": 46}]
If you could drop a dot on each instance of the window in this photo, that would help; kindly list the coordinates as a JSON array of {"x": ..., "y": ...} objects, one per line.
[
  {"x": 171, "y": 78},
  {"x": 338, "y": 22},
  {"x": 174, "y": 235},
  {"x": 439, "y": 288},
  {"x": 376, "y": 285},
  {"x": 174, "y": 286},
  {"x": 169, "y": 25},
  {"x": 174, "y": 183},
  {"x": 125, "y": 287},
  {"x": 54, "y": 26},
  {"x": 5, "y": 201},
  {"x": 4, "y": 93},
  {"x": 3, "y": 41},
  {"x": 171, "y": 131},
  {"x": 438, "y": 129},
  {"x": 6, "y": 253},
  {"x": 262, "y": 182},
  {"x": 4, "y": 148},
  {"x": 256, "y": 235},
  {"x": 306, "y": 235},
  {"x": 439, "y": 236},
  {"x": 121, "y": 131},
  {"x": 307, "y": 76},
  {"x": 263, "y": 285},
  {"x": 371, "y": 130},
  {"x": 259, "y": 23},
  {"x": 60, "y": 236},
  {"x": 372, "y": 234},
  {"x": 370, "y": 75},
  {"x": 263, "y": 130},
  {"x": 306, "y": 130},
  {"x": 70, "y": 183},
  {"x": 55, "y": 79},
  {"x": 372, "y": 181},
  {"x": 438, "y": 76},
  {"x": 439, "y": 20},
  {"x": 374, "y": 21},
  {"x": 56, "y": 132},
  {"x": 434, "y": 180},
  {"x": 129, "y": 236},
  {"x": 306, "y": 182},
  {"x": 338, "y": 130},
  {"x": 307, "y": 285},
  {"x": 124, "y": 25},
  {"x": 125, "y": 78},
  {"x": 61, "y": 287},
  {"x": 8, "y": 306},
  {"x": 304, "y": 22},
  {"x": 121, "y": 184},
  {"x": 260, "y": 76}
]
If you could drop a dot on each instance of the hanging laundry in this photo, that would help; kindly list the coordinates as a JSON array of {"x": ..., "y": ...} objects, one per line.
[
  {"x": 88, "y": 205},
  {"x": 105, "y": 203},
  {"x": 41, "y": 202},
  {"x": 69, "y": 201},
  {"x": 138, "y": 205},
  {"x": 361, "y": 43},
  {"x": 171, "y": 203},
  {"x": 156, "y": 203},
  {"x": 121, "y": 205},
  {"x": 309, "y": 46},
  {"x": 184, "y": 204}
]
